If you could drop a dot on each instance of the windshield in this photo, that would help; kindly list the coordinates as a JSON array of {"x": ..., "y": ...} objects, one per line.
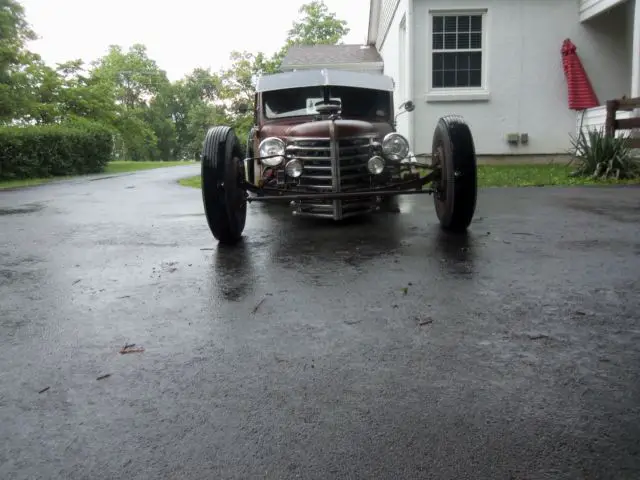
[{"x": 361, "y": 103}]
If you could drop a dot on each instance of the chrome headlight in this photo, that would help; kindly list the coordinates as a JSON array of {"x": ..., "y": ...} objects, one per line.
[
  {"x": 395, "y": 146},
  {"x": 271, "y": 146},
  {"x": 375, "y": 165},
  {"x": 293, "y": 168}
]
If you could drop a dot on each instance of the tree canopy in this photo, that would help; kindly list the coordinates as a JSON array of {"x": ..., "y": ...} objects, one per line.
[{"x": 128, "y": 92}]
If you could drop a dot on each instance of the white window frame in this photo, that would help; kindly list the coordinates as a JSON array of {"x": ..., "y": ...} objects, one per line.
[{"x": 457, "y": 94}]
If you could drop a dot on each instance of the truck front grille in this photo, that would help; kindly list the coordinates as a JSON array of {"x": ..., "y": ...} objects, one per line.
[
  {"x": 315, "y": 154},
  {"x": 316, "y": 157}
]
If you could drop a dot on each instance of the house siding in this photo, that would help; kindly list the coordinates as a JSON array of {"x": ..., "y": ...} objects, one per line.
[
  {"x": 526, "y": 84},
  {"x": 390, "y": 54},
  {"x": 387, "y": 11}
]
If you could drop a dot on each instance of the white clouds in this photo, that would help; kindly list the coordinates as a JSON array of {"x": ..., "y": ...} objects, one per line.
[{"x": 179, "y": 35}]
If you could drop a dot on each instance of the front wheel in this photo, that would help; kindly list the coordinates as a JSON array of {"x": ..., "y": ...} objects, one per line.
[
  {"x": 225, "y": 202},
  {"x": 455, "y": 193}
]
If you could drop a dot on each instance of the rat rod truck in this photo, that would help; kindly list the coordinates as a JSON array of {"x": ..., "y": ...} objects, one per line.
[{"x": 326, "y": 141}]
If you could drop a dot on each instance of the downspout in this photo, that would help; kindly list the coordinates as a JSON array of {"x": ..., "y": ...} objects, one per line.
[{"x": 409, "y": 67}]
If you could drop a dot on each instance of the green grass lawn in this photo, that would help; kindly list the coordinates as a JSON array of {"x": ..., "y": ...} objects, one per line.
[
  {"x": 537, "y": 175},
  {"x": 121, "y": 167},
  {"x": 193, "y": 182},
  {"x": 112, "y": 167},
  {"x": 510, "y": 176}
]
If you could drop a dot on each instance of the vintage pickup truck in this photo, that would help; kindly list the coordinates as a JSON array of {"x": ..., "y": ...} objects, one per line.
[{"x": 326, "y": 142}]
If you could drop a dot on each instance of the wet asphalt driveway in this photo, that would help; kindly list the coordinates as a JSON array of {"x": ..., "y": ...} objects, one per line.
[{"x": 376, "y": 349}]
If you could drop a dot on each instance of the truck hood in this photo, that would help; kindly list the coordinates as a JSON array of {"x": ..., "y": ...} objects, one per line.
[{"x": 321, "y": 128}]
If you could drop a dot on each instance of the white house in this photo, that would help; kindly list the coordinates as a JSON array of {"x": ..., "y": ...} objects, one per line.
[{"x": 498, "y": 64}]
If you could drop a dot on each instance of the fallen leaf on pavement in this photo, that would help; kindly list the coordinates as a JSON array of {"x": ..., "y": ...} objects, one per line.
[
  {"x": 540, "y": 336},
  {"x": 424, "y": 321},
  {"x": 131, "y": 349}
]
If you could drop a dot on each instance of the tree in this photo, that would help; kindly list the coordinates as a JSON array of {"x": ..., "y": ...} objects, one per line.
[
  {"x": 143, "y": 93},
  {"x": 82, "y": 96},
  {"x": 196, "y": 105},
  {"x": 151, "y": 117},
  {"x": 14, "y": 58},
  {"x": 317, "y": 26},
  {"x": 137, "y": 78},
  {"x": 41, "y": 86}
]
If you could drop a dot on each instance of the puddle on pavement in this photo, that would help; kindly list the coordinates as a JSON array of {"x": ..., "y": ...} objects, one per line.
[
  {"x": 183, "y": 215},
  {"x": 110, "y": 176},
  {"x": 618, "y": 211},
  {"x": 29, "y": 208}
]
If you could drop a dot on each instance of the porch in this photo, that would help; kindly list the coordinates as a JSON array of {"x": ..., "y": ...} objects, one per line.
[{"x": 614, "y": 25}]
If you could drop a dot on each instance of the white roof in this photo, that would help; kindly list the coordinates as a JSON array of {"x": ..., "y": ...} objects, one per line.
[{"x": 324, "y": 77}]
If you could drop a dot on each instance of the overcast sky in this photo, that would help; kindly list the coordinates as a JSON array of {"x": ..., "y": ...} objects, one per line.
[{"x": 179, "y": 35}]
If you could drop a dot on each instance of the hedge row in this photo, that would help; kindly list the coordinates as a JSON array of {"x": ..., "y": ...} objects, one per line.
[{"x": 53, "y": 150}]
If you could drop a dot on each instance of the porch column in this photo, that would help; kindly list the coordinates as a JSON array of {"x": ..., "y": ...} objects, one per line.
[{"x": 635, "y": 49}]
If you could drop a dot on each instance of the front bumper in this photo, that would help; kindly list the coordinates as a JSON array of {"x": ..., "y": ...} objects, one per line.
[
  {"x": 335, "y": 182},
  {"x": 415, "y": 186}
]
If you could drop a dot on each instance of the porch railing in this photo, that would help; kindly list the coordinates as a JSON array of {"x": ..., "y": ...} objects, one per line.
[{"x": 614, "y": 124}]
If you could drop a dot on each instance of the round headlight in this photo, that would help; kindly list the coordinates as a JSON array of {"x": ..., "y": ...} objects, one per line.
[
  {"x": 293, "y": 168},
  {"x": 271, "y": 146},
  {"x": 375, "y": 165},
  {"x": 395, "y": 146}
]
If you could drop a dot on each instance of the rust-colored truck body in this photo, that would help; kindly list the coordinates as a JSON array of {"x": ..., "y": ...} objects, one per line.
[
  {"x": 326, "y": 142},
  {"x": 334, "y": 148}
]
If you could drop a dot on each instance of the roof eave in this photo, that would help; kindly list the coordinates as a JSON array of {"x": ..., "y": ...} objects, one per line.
[{"x": 338, "y": 66}]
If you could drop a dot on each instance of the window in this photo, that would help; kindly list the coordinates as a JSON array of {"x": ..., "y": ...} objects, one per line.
[
  {"x": 457, "y": 43},
  {"x": 356, "y": 103}
]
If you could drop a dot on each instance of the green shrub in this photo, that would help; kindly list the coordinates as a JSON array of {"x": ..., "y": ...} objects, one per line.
[
  {"x": 54, "y": 150},
  {"x": 600, "y": 156}
]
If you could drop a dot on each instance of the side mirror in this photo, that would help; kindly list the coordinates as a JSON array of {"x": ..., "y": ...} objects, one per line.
[
  {"x": 242, "y": 108},
  {"x": 405, "y": 107},
  {"x": 409, "y": 106}
]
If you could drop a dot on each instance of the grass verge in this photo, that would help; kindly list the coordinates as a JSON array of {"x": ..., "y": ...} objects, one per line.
[
  {"x": 537, "y": 176},
  {"x": 112, "y": 167},
  {"x": 511, "y": 176},
  {"x": 193, "y": 182},
  {"x": 122, "y": 167}
]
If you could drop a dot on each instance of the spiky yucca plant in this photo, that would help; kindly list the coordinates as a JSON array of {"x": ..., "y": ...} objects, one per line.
[{"x": 599, "y": 156}]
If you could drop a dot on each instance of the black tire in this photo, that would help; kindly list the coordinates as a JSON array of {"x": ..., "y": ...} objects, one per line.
[
  {"x": 225, "y": 202},
  {"x": 457, "y": 191}
]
